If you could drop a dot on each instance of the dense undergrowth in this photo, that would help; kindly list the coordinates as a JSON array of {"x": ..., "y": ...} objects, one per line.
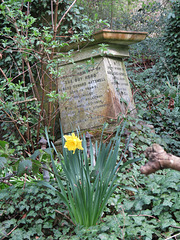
[
  {"x": 142, "y": 207},
  {"x": 148, "y": 208},
  {"x": 150, "y": 211}
]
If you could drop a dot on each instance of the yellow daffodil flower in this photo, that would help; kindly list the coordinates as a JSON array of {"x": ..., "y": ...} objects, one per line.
[{"x": 73, "y": 142}]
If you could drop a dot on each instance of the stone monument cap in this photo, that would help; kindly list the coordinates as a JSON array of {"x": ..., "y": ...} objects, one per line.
[
  {"x": 123, "y": 38},
  {"x": 118, "y": 37}
]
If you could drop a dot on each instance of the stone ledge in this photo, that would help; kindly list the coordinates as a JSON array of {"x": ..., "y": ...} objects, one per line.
[{"x": 123, "y": 38}]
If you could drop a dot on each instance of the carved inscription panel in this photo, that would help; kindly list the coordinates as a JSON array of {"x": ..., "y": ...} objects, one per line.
[
  {"x": 93, "y": 93},
  {"x": 117, "y": 77}
]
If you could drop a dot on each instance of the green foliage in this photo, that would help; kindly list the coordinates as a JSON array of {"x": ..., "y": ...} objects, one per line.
[
  {"x": 154, "y": 211},
  {"x": 12, "y": 168},
  {"x": 142, "y": 134},
  {"x": 155, "y": 94},
  {"x": 32, "y": 39},
  {"x": 18, "y": 113},
  {"x": 19, "y": 108},
  {"x": 30, "y": 213},
  {"x": 126, "y": 15},
  {"x": 172, "y": 38},
  {"x": 147, "y": 209},
  {"x": 4, "y": 149},
  {"x": 5, "y": 153},
  {"x": 153, "y": 72}
]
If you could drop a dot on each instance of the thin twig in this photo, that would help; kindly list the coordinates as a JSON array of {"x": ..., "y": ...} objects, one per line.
[
  {"x": 41, "y": 113},
  {"x": 174, "y": 226},
  {"x": 172, "y": 236},
  {"x": 135, "y": 181},
  {"x": 10, "y": 232},
  {"x": 7, "y": 183},
  {"x": 22, "y": 73},
  {"x": 27, "y": 100},
  {"x": 144, "y": 215},
  {"x": 124, "y": 220},
  {"x": 7, "y": 177},
  {"x": 34, "y": 88},
  {"x": 14, "y": 121},
  {"x": 13, "y": 19},
  {"x": 52, "y": 15},
  {"x": 28, "y": 12},
  {"x": 26, "y": 108},
  {"x": 65, "y": 216},
  {"x": 4, "y": 74},
  {"x": 24, "y": 181},
  {"x": 65, "y": 15}
]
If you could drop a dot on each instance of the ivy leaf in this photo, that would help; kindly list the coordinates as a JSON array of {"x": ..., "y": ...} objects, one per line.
[
  {"x": 147, "y": 199},
  {"x": 11, "y": 209},
  {"x": 128, "y": 205},
  {"x": 177, "y": 215},
  {"x": 167, "y": 202},
  {"x": 3, "y": 144},
  {"x": 3, "y": 161},
  {"x": 3, "y": 194},
  {"x": 166, "y": 222},
  {"x": 103, "y": 236},
  {"x": 24, "y": 167},
  {"x": 35, "y": 167},
  {"x": 35, "y": 154}
]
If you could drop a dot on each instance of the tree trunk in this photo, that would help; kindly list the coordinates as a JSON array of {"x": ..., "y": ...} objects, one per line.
[{"x": 159, "y": 159}]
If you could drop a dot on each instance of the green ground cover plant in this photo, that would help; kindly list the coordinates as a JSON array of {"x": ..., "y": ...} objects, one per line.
[
  {"x": 155, "y": 79},
  {"x": 140, "y": 207},
  {"x": 150, "y": 212}
]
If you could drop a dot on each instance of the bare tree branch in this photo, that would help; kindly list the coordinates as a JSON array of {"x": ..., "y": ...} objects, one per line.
[{"x": 65, "y": 15}]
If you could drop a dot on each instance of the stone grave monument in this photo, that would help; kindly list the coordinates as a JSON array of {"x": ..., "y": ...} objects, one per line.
[{"x": 96, "y": 83}]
